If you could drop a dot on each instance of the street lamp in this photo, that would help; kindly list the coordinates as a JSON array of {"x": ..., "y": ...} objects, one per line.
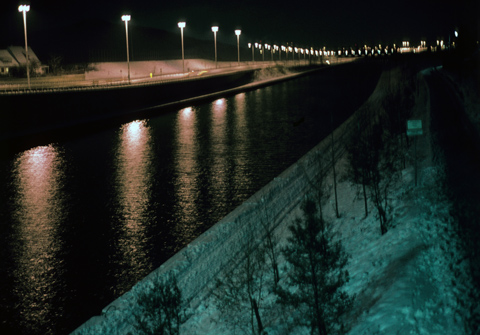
[
  {"x": 181, "y": 25},
  {"x": 215, "y": 29},
  {"x": 250, "y": 45},
  {"x": 126, "y": 18},
  {"x": 24, "y": 9},
  {"x": 238, "y": 32}
]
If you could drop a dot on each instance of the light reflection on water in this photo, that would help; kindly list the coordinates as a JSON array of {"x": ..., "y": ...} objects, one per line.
[
  {"x": 187, "y": 188},
  {"x": 218, "y": 151},
  {"x": 242, "y": 176},
  {"x": 133, "y": 183},
  {"x": 39, "y": 175}
]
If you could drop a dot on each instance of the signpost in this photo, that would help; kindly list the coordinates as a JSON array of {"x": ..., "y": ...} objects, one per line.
[{"x": 414, "y": 128}]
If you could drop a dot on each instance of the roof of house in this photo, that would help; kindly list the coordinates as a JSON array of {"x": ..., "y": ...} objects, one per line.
[
  {"x": 6, "y": 59},
  {"x": 17, "y": 54}
]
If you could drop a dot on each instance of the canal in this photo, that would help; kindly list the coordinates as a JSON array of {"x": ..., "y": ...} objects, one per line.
[{"x": 84, "y": 218}]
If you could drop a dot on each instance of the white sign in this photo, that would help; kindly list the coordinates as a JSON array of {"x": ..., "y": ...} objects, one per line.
[{"x": 414, "y": 128}]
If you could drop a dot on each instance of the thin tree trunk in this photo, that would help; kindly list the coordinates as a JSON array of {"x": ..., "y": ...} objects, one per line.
[
  {"x": 257, "y": 315},
  {"x": 365, "y": 198},
  {"x": 333, "y": 167}
]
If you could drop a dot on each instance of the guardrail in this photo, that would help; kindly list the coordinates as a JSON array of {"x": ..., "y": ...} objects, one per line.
[
  {"x": 94, "y": 84},
  {"x": 58, "y": 85}
]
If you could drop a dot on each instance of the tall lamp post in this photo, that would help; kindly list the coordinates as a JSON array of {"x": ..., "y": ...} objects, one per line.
[
  {"x": 181, "y": 25},
  {"x": 215, "y": 29},
  {"x": 250, "y": 45},
  {"x": 126, "y": 18},
  {"x": 238, "y": 32},
  {"x": 24, "y": 9}
]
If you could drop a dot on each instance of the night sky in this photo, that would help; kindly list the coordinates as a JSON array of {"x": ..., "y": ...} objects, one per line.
[{"x": 310, "y": 23}]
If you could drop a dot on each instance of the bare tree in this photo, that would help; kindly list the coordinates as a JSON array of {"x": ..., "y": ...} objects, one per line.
[
  {"x": 270, "y": 243},
  {"x": 240, "y": 293},
  {"x": 55, "y": 63},
  {"x": 359, "y": 156},
  {"x": 159, "y": 307},
  {"x": 384, "y": 172},
  {"x": 316, "y": 180},
  {"x": 333, "y": 164},
  {"x": 373, "y": 154}
]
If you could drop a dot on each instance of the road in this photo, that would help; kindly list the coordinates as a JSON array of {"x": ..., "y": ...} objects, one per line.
[{"x": 79, "y": 82}]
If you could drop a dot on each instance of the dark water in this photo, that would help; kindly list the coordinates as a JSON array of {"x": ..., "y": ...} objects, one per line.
[{"x": 82, "y": 220}]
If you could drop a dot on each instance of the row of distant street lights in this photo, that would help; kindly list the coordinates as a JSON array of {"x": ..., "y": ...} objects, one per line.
[
  {"x": 126, "y": 18},
  {"x": 238, "y": 32},
  {"x": 260, "y": 46},
  {"x": 182, "y": 25}
]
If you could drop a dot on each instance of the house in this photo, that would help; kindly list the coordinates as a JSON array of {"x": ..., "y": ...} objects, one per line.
[
  {"x": 14, "y": 56},
  {"x": 6, "y": 62}
]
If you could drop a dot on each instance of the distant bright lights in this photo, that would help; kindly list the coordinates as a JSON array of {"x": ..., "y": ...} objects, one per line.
[
  {"x": 24, "y": 8},
  {"x": 126, "y": 18},
  {"x": 186, "y": 112}
]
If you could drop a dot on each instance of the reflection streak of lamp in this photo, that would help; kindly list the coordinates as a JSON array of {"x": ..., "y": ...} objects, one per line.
[
  {"x": 219, "y": 147},
  {"x": 133, "y": 181},
  {"x": 242, "y": 176},
  {"x": 186, "y": 166},
  {"x": 39, "y": 179}
]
